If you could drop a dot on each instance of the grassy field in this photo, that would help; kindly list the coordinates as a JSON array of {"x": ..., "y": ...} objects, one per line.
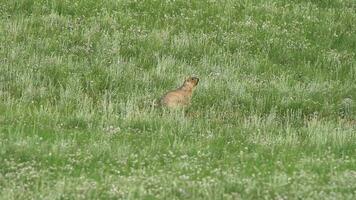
[{"x": 273, "y": 117}]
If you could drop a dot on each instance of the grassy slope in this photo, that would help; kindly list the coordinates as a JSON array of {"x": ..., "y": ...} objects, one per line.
[{"x": 273, "y": 117}]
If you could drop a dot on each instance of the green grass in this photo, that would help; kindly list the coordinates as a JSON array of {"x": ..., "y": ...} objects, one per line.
[{"x": 273, "y": 117}]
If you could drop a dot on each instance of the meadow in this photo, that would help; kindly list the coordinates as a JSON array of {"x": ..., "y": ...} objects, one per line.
[{"x": 273, "y": 116}]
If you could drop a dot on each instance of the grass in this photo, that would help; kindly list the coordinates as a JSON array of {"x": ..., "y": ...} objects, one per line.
[{"x": 273, "y": 117}]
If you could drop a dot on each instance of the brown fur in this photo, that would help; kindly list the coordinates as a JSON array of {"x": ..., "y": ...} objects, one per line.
[{"x": 180, "y": 97}]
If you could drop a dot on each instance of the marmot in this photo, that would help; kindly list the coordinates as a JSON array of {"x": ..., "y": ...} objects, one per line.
[{"x": 180, "y": 97}]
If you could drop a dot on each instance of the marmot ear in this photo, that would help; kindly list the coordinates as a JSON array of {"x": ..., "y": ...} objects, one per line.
[{"x": 187, "y": 77}]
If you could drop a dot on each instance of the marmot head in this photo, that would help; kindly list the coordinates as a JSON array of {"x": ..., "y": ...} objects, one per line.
[{"x": 191, "y": 82}]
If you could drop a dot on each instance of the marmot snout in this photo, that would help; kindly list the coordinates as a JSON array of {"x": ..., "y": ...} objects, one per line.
[{"x": 180, "y": 97}]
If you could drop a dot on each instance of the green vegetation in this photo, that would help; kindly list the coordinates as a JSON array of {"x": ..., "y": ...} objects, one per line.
[{"x": 273, "y": 117}]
